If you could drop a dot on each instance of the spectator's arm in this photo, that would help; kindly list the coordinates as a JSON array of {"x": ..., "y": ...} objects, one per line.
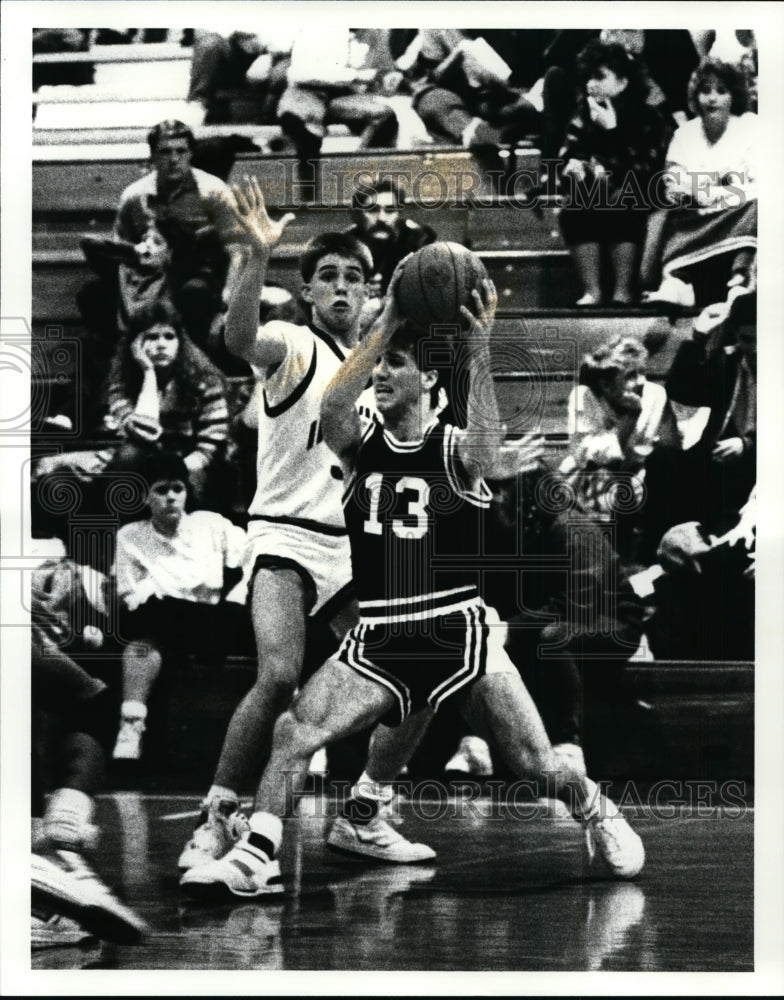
[
  {"x": 212, "y": 427},
  {"x": 134, "y": 584}
]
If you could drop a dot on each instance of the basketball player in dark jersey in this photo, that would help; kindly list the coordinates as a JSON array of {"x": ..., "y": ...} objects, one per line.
[{"x": 424, "y": 633}]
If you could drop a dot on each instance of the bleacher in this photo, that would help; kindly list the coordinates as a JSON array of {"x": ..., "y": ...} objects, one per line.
[{"x": 88, "y": 148}]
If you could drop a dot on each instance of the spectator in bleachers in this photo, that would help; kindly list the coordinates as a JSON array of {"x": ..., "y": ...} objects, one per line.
[
  {"x": 338, "y": 76},
  {"x": 617, "y": 419},
  {"x": 47, "y": 40},
  {"x": 171, "y": 217},
  {"x": 173, "y": 572},
  {"x": 667, "y": 56},
  {"x": 463, "y": 92},
  {"x": 254, "y": 60},
  {"x": 704, "y": 600},
  {"x": 711, "y": 183},
  {"x": 377, "y": 210},
  {"x": 719, "y": 471},
  {"x": 162, "y": 393},
  {"x": 614, "y": 145}
]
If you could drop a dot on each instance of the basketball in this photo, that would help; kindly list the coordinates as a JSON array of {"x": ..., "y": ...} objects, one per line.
[{"x": 436, "y": 282}]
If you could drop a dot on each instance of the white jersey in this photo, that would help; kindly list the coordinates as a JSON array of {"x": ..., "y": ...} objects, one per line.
[{"x": 299, "y": 478}]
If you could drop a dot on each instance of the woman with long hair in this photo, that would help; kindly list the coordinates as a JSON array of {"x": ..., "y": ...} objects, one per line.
[{"x": 162, "y": 394}]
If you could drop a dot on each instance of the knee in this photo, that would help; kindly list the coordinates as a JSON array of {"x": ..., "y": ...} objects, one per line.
[
  {"x": 142, "y": 649},
  {"x": 294, "y": 734}
]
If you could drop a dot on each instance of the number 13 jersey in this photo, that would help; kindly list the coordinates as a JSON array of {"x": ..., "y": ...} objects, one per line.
[{"x": 415, "y": 526}]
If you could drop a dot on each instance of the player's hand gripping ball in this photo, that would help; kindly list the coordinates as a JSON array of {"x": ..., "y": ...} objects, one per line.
[{"x": 436, "y": 281}]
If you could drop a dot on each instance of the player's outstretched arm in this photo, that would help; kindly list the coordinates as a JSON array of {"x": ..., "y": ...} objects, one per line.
[
  {"x": 480, "y": 442},
  {"x": 259, "y": 234},
  {"x": 339, "y": 418}
]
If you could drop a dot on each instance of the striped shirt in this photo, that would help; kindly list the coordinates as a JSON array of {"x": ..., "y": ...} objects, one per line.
[{"x": 200, "y": 430}]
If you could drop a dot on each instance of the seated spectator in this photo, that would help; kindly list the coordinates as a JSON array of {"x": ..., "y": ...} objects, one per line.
[
  {"x": 173, "y": 575},
  {"x": 704, "y": 595},
  {"x": 162, "y": 393},
  {"x": 617, "y": 419},
  {"x": 254, "y": 60},
  {"x": 614, "y": 145},
  {"x": 711, "y": 183},
  {"x": 47, "y": 40},
  {"x": 718, "y": 472},
  {"x": 332, "y": 79},
  {"x": 170, "y": 218},
  {"x": 377, "y": 210},
  {"x": 463, "y": 92}
]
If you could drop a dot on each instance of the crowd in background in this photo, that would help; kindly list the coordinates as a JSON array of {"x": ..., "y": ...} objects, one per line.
[{"x": 616, "y": 109}]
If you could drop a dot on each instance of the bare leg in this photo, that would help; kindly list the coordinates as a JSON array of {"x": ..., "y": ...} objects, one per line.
[
  {"x": 278, "y": 609},
  {"x": 334, "y": 703},
  {"x": 624, "y": 258},
  {"x": 392, "y": 748},
  {"x": 587, "y": 260},
  {"x": 500, "y": 708},
  {"x": 141, "y": 665}
]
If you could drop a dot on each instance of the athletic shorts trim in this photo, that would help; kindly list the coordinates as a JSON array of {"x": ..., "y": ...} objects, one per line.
[
  {"x": 351, "y": 653},
  {"x": 433, "y": 605},
  {"x": 417, "y": 669},
  {"x": 301, "y": 522},
  {"x": 281, "y": 562}
]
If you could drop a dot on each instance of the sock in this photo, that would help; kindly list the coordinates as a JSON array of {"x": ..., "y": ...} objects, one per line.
[
  {"x": 595, "y": 805},
  {"x": 67, "y": 819},
  {"x": 133, "y": 710},
  {"x": 266, "y": 833},
  {"x": 365, "y": 798},
  {"x": 221, "y": 792}
]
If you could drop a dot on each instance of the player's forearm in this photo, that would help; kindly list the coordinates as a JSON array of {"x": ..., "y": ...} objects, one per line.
[
  {"x": 351, "y": 379},
  {"x": 484, "y": 433},
  {"x": 242, "y": 318}
]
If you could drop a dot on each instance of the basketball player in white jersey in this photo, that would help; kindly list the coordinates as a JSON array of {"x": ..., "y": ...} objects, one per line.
[
  {"x": 415, "y": 491},
  {"x": 298, "y": 553}
]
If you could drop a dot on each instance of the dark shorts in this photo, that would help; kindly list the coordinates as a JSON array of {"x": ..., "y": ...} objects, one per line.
[
  {"x": 425, "y": 662},
  {"x": 182, "y": 627}
]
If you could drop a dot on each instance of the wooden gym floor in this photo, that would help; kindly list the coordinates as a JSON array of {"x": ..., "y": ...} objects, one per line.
[{"x": 505, "y": 893}]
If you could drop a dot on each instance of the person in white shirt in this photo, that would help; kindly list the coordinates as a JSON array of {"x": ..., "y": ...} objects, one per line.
[
  {"x": 254, "y": 56},
  {"x": 171, "y": 577},
  {"x": 616, "y": 420},
  {"x": 333, "y": 76},
  {"x": 711, "y": 182}
]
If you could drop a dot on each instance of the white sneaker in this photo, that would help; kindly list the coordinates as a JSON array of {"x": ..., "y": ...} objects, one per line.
[
  {"x": 245, "y": 872},
  {"x": 611, "y": 842},
  {"x": 129, "y": 740},
  {"x": 571, "y": 754},
  {"x": 378, "y": 840},
  {"x": 63, "y": 881},
  {"x": 472, "y": 757},
  {"x": 56, "y": 931},
  {"x": 222, "y": 825}
]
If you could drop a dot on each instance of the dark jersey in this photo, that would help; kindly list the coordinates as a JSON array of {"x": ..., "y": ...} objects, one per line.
[{"x": 416, "y": 529}]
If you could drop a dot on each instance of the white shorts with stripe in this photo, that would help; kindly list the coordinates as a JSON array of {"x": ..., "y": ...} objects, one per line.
[{"x": 322, "y": 560}]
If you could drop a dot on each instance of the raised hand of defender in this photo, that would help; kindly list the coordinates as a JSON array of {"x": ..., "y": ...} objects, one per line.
[
  {"x": 484, "y": 302},
  {"x": 252, "y": 223}
]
